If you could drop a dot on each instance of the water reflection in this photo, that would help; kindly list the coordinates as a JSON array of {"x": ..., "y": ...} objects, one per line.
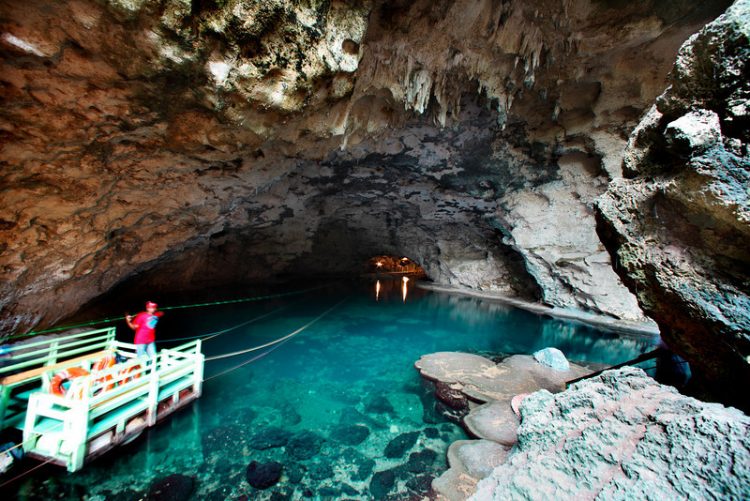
[{"x": 390, "y": 288}]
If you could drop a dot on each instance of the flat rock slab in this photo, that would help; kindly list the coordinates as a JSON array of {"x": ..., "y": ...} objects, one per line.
[
  {"x": 452, "y": 367},
  {"x": 470, "y": 461},
  {"x": 454, "y": 485},
  {"x": 483, "y": 380},
  {"x": 494, "y": 421},
  {"x": 478, "y": 457}
]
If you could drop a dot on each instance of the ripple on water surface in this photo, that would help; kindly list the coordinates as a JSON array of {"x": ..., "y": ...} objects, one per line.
[{"x": 339, "y": 406}]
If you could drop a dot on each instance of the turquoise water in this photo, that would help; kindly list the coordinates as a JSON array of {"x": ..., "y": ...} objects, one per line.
[{"x": 330, "y": 403}]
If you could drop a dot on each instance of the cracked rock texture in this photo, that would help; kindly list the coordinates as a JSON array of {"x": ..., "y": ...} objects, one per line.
[
  {"x": 679, "y": 226},
  {"x": 191, "y": 143},
  {"x": 621, "y": 435}
]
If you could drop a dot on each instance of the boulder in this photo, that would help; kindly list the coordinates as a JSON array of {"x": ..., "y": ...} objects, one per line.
[
  {"x": 263, "y": 475},
  {"x": 304, "y": 445},
  {"x": 382, "y": 482},
  {"x": 268, "y": 438},
  {"x": 553, "y": 358},
  {"x": 398, "y": 447},
  {"x": 351, "y": 434},
  {"x": 172, "y": 488},
  {"x": 421, "y": 461}
]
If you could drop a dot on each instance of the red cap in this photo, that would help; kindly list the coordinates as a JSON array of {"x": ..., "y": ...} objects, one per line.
[{"x": 150, "y": 304}]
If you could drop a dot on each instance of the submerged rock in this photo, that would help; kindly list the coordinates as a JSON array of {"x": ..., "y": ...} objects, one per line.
[
  {"x": 382, "y": 482},
  {"x": 263, "y": 475},
  {"x": 632, "y": 437},
  {"x": 172, "y": 488},
  {"x": 351, "y": 434},
  {"x": 421, "y": 461},
  {"x": 552, "y": 357},
  {"x": 379, "y": 404},
  {"x": 356, "y": 464},
  {"x": 304, "y": 445},
  {"x": 420, "y": 485},
  {"x": 268, "y": 438},
  {"x": 398, "y": 447},
  {"x": 320, "y": 470}
]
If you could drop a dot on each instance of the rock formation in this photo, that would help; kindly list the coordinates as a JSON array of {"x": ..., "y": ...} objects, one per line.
[
  {"x": 195, "y": 143},
  {"x": 622, "y": 435},
  {"x": 486, "y": 396},
  {"x": 678, "y": 226}
]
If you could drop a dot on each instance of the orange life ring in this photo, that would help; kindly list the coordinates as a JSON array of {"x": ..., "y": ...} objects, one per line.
[
  {"x": 105, "y": 363},
  {"x": 128, "y": 371},
  {"x": 56, "y": 385}
]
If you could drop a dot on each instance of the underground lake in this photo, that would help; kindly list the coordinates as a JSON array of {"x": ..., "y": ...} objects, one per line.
[{"x": 338, "y": 405}]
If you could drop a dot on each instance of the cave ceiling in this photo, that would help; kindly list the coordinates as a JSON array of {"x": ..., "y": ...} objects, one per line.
[{"x": 217, "y": 140}]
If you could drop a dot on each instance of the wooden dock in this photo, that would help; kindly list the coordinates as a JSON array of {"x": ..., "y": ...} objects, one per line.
[{"x": 101, "y": 409}]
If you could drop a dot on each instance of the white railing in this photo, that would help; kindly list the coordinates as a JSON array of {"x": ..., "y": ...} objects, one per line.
[{"x": 107, "y": 401}]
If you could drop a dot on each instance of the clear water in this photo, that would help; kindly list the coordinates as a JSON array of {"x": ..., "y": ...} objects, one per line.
[{"x": 309, "y": 402}]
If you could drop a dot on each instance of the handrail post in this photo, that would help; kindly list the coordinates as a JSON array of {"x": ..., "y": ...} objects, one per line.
[
  {"x": 79, "y": 427},
  {"x": 52, "y": 355},
  {"x": 153, "y": 391},
  {"x": 198, "y": 371},
  {"x": 111, "y": 338}
]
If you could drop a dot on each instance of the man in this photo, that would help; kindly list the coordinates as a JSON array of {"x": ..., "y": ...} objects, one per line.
[{"x": 144, "y": 325}]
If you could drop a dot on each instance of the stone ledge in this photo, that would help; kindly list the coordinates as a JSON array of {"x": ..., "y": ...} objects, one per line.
[{"x": 623, "y": 326}]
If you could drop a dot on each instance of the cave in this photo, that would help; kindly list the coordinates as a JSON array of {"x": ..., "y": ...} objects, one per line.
[{"x": 577, "y": 160}]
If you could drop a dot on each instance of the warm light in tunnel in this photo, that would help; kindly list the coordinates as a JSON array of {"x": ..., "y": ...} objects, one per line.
[
  {"x": 377, "y": 290},
  {"x": 379, "y": 264}
]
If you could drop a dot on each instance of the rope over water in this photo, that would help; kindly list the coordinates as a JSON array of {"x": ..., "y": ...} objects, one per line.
[
  {"x": 279, "y": 340},
  {"x": 178, "y": 307}
]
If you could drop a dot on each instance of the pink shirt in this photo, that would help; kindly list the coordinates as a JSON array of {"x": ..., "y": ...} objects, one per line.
[{"x": 145, "y": 327}]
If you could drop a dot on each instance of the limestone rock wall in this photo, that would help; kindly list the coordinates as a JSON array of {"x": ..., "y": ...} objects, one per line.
[
  {"x": 622, "y": 435},
  {"x": 189, "y": 141},
  {"x": 679, "y": 225}
]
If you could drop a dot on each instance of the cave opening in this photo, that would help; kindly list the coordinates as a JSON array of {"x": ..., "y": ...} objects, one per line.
[{"x": 385, "y": 265}]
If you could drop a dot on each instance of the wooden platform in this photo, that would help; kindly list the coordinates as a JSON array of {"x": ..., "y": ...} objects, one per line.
[{"x": 101, "y": 410}]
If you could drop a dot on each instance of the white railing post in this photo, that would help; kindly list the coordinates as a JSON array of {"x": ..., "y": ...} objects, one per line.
[
  {"x": 77, "y": 425},
  {"x": 153, "y": 392},
  {"x": 198, "y": 371},
  {"x": 52, "y": 355},
  {"x": 111, "y": 339}
]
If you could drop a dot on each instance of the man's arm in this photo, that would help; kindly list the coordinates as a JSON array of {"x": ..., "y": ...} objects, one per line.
[{"x": 129, "y": 320}]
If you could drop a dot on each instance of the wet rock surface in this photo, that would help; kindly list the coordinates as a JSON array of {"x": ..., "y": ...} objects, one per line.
[
  {"x": 632, "y": 436},
  {"x": 678, "y": 226}
]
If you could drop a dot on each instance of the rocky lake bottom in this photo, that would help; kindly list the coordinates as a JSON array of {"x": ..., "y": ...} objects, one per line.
[{"x": 335, "y": 412}]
